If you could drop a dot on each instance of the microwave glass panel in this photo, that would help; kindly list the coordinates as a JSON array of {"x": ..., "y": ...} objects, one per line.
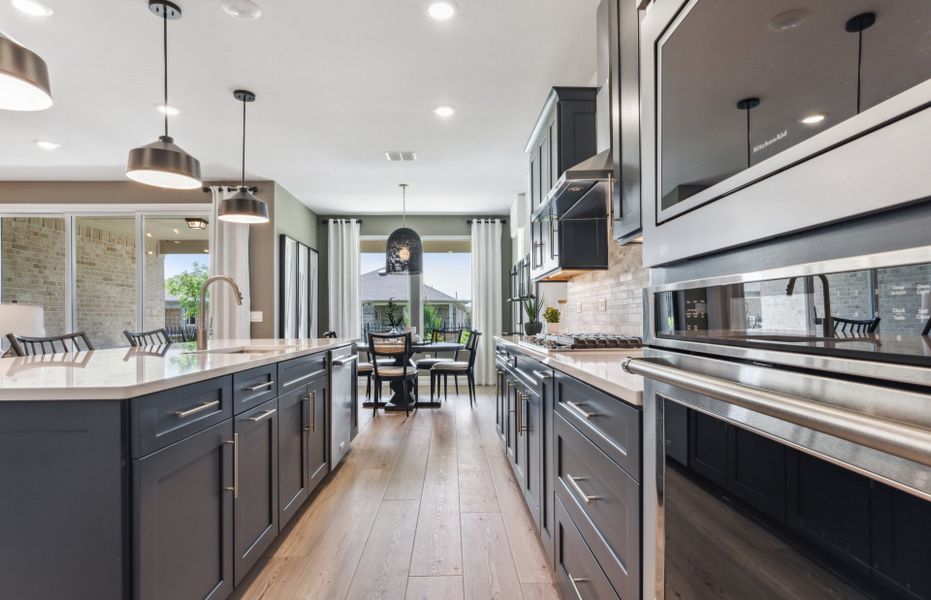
[
  {"x": 884, "y": 313},
  {"x": 795, "y": 58}
]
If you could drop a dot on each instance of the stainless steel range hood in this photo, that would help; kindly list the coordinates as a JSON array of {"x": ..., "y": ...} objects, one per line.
[{"x": 576, "y": 182}]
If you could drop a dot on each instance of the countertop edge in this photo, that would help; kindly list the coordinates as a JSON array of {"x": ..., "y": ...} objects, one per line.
[
  {"x": 127, "y": 392},
  {"x": 623, "y": 393}
]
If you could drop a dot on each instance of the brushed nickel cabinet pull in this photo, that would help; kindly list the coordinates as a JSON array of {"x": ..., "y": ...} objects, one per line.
[
  {"x": 542, "y": 375},
  {"x": 235, "y": 444},
  {"x": 193, "y": 411},
  {"x": 259, "y": 386},
  {"x": 264, "y": 415},
  {"x": 578, "y": 408},
  {"x": 574, "y": 581},
  {"x": 313, "y": 411},
  {"x": 574, "y": 481}
]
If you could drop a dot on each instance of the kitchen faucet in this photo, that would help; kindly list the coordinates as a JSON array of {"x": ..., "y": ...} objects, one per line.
[
  {"x": 202, "y": 315},
  {"x": 828, "y": 321}
]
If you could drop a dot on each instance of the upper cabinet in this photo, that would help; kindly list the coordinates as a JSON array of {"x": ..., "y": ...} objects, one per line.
[
  {"x": 563, "y": 136},
  {"x": 760, "y": 119}
]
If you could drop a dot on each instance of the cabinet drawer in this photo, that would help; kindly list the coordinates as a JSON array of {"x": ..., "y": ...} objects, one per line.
[
  {"x": 170, "y": 416},
  {"x": 253, "y": 387},
  {"x": 604, "y": 503},
  {"x": 611, "y": 424},
  {"x": 300, "y": 371},
  {"x": 577, "y": 571}
]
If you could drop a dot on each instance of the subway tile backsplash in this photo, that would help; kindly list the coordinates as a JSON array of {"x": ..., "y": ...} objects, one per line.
[{"x": 621, "y": 287}]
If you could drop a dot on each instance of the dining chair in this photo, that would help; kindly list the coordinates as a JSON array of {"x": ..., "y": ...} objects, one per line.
[
  {"x": 30, "y": 346},
  {"x": 396, "y": 347},
  {"x": 156, "y": 337},
  {"x": 458, "y": 367},
  {"x": 330, "y": 334},
  {"x": 428, "y": 362}
]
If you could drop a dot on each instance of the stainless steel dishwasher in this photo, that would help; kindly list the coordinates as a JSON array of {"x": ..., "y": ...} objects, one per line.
[{"x": 342, "y": 378}]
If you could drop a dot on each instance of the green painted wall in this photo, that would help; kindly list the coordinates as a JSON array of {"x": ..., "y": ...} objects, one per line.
[{"x": 425, "y": 225}]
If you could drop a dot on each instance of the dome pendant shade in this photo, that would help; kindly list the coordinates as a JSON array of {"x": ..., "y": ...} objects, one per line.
[
  {"x": 24, "y": 82},
  {"x": 404, "y": 253},
  {"x": 243, "y": 207},
  {"x": 164, "y": 164}
]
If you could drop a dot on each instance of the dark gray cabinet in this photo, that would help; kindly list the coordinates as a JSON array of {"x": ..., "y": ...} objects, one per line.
[
  {"x": 183, "y": 526},
  {"x": 293, "y": 453},
  {"x": 255, "y": 484},
  {"x": 318, "y": 457}
]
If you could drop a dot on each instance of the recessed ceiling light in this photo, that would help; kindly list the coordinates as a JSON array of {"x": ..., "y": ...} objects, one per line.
[
  {"x": 167, "y": 109},
  {"x": 788, "y": 20},
  {"x": 34, "y": 8},
  {"x": 176, "y": 232},
  {"x": 444, "y": 111},
  {"x": 245, "y": 10},
  {"x": 400, "y": 155},
  {"x": 148, "y": 235},
  {"x": 813, "y": 118},
  {"x": 47, "y": 145},
  {"x": 443, "y": 10}
]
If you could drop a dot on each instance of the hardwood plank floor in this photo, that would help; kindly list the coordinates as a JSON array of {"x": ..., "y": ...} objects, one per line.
[{"x": 424, "y": 507}]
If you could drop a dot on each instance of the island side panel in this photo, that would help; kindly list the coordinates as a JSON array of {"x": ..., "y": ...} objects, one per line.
[{"x": 63, "y": 496}]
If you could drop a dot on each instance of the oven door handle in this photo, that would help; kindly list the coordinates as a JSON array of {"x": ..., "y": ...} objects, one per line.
[{"x": 892, "y": 437}]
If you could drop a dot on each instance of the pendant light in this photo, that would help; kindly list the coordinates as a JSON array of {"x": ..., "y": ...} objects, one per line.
[
  {"x": 858, "y": 25},
  {"x": 162, "y": 163},
  {"x": 243, "y": 206},
  {"x": 746, "y": 105},
  {"x": 24, "y": 83},
  {"x": 404, "y": 252}
]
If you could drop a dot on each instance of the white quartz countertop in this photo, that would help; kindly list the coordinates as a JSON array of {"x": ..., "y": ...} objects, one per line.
[
  {"x": 600, "y": 369},
  {"x": 123, "y": 373}
]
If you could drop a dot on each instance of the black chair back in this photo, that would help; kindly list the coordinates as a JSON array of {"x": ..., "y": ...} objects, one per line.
[
  {"x": 330, "y": 334},
  {"x": 472, "y": 347},
  {"x": 447, "y": 335},
  {"x": 391, "y": 345},
  {"x": 156, "y": 337},
  {"x": 855, "y": 326},
  {"x": 55, "y": 344}
]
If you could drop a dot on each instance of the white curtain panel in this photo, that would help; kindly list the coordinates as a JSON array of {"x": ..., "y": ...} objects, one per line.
[
  {"x": 344, "y": 263},
  {"x": 229, "y": 255},
  {"x": 486, "y": 294}
]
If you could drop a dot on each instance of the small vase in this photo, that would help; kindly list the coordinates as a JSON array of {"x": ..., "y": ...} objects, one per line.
[
  {"x": 552, "y": 328},
  {"x": 533, "y": 328}
]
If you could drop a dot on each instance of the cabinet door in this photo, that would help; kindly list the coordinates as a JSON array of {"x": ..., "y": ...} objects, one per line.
[
  {"x": 757, "y": 472},
  {"x": 510, "y": 393},
  {"x": 534, "y": 179},
  {"x": 708, "y": 447},
  {"x": 318, "y": 463},
  {"x": 293, "y": 442},
  {"x": 555, "y": 168},
  {"x": 543, "y": 152},
  {"x": 901, "y": 532},
  {"x": 183, "y": 519},
  {"x": 532, "y": 413},
  {"x": 255, "y": 475}
]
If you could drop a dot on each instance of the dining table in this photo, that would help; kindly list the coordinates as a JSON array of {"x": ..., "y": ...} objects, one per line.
[{"x": 400, "y": 401}]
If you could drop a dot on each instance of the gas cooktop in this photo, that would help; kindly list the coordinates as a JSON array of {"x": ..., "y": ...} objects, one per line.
[{"x": 585, "y": 341}]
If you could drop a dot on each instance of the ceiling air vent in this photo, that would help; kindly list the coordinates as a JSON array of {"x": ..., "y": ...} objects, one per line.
[{"x": 400, "y": 155}]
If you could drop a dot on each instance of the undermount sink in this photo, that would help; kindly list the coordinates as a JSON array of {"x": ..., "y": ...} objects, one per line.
[{"x": 243, "y": 350}]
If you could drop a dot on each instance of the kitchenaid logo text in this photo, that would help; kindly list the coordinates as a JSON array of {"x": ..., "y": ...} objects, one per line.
[{"x": 771, "y": 141}]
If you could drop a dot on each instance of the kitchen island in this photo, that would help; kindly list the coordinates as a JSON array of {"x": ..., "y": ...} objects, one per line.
[{"x": 162, "y": 472}]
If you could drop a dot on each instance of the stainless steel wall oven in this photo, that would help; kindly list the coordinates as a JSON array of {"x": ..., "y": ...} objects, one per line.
[
  {"x": 764, "y": 117},
  {"x": 787, "y": 431}
]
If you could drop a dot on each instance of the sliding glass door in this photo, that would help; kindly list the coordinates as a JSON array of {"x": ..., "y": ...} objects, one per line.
[{"x": 103, "y": 272}]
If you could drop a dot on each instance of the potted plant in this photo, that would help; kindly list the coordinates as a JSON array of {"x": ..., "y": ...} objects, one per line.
[
  {"x": 532, "y": 306},
  {"x": 394, "y": 313},
  {"x": 551, "y": 316}
]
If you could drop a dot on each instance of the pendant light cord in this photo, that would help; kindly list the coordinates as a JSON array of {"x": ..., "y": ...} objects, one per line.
[
  {"x": 242, "y": 181},
  {"x": 404, "y": 204},
  {"x": 165, "y": 62},
  {"x": 859, "y": 66}
]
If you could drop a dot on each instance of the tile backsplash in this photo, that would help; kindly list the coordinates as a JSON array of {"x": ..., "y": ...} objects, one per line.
[{"x": 621, "y": 290}]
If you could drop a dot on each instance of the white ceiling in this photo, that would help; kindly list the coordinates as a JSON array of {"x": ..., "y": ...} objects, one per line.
[{"x": 338, "y": 82}]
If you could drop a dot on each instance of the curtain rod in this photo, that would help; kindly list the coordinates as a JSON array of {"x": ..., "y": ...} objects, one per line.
[
  {"x": 470, "y": 221},
  {"x": 325, "y": 221},
  {"x": 230, "y": 188}
]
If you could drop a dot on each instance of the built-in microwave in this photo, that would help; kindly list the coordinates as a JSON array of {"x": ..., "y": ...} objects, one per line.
[{"x": 765, "y": 117}]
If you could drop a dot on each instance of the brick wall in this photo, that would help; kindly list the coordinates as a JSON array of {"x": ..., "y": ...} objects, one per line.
[
  {"x": 33, "y": 271},
  {"x": 621, "y": 286}
]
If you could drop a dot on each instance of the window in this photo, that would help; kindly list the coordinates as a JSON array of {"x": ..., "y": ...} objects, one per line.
[
  {"x": 105, "y": 272},
  {"x": 446, "y": 287}
]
